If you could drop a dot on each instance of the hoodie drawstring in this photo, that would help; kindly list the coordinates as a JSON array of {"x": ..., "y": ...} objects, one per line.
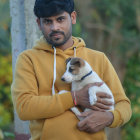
[
  {"x": 74, "y": 51},
  {"x": 54, "y": 71},
  {"x": 54, "y": 68}
]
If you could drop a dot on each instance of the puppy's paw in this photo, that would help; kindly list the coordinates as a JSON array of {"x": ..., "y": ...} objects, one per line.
[
  {"x": 92, "y": 96},
  {"x": 92, "y": 99},
  {"x": 77, "y": 113}
]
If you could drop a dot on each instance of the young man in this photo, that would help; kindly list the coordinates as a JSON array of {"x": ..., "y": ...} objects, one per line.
[{"x": 38, "y": 80}]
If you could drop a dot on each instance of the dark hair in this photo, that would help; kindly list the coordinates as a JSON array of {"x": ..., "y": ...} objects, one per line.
[{"x": 48, "y": 8}]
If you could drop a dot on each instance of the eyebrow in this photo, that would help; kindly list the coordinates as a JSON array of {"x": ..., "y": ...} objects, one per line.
[
  {"x": 61, "y": 17},
  {"x": 48, "y": 18}
]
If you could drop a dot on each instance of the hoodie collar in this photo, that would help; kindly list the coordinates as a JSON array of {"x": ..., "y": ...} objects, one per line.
[{"x": 42, "y": 44}]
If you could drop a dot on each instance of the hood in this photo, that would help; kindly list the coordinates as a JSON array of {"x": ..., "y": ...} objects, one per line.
[{"x": 41, "y": 44}]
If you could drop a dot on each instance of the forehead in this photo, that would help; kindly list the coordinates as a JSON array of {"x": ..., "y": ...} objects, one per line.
[
  {"x": 64, "y": 14},
  {"x": 75, "y": 69},
  {"x": 68, "y": 64}
]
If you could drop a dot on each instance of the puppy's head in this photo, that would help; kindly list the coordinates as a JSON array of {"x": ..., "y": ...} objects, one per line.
[{"x": 73, "y": 69}]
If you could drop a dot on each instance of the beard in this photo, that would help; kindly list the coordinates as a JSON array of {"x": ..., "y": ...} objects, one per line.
[{"x": 59, "y": 40}]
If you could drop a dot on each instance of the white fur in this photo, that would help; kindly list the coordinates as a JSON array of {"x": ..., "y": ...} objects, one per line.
[{"x": 78, "y": 84}]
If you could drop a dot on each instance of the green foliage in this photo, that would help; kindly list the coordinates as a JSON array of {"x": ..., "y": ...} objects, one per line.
[
  {"x": 77, "y": 29},
  {"x": 5, "y": 117},
  {"x": 9, "y": 135},
  {"x": 120, "y": 29},
  {"x": 132, "y": 88},
  {"x": 6, "y": 135},
  {"x": 119, "y": 19},
  {"x": 6, "y": 107},
  {"x": 4, "y": 27}
]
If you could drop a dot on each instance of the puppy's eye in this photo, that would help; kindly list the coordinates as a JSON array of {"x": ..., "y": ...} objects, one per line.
[{"x": 70, "y": 69}]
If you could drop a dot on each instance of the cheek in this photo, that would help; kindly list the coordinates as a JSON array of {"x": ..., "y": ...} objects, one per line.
[
  {"x": 68, "y": 76},
  {"x": 45, "y": 30},
  {"x": 76, "y": 71}
]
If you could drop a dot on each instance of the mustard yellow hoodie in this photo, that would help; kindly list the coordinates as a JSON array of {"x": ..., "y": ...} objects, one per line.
[{"x": 50, "y": 116}]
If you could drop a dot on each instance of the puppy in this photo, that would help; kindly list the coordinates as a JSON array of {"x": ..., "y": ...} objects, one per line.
[{"x": 79, "y": 73}]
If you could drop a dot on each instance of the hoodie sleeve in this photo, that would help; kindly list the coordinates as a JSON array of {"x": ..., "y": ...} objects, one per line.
[
  {"x": 28, "y": 104},
  {"x": 122, "y": 112}
]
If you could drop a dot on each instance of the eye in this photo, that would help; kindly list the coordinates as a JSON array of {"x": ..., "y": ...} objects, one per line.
[
  {"x": 60, "y": 19},
  {"x": 47, "y": 21},
  {"x": 70, "y": 70}
]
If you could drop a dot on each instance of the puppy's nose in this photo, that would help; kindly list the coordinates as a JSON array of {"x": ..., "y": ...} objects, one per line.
[{"x": 63, "y": 79}]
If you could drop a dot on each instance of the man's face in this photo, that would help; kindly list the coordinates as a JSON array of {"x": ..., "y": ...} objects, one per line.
[{"x": 57, "y": 29}]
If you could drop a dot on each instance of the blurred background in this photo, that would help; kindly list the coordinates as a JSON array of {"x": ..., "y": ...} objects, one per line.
[{"x": 109, "y": 26}]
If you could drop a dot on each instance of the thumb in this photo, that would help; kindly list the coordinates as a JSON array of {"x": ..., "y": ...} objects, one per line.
[
  {"x": 85, "y": 114},
  {"x": 82, "y": 123}
]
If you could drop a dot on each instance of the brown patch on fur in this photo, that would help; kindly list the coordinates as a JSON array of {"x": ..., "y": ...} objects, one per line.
[
  {"x": 76, "y": 63},
  {"x": 75, "y": 70}
]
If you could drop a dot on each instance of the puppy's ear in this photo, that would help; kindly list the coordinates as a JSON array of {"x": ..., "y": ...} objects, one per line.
[
  {"x": 67, "y": 60},
  {"x": 77, "y": 62}
]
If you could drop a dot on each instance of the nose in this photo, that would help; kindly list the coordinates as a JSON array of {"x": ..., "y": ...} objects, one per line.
[
  {"x": 63, "y": 79},
  {"x": 55, "y": 26}
]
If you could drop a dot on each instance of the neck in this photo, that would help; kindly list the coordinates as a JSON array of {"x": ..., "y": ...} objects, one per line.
[
  {"x": 67, "y": 45},
  {"x": 89, "y": 73}
]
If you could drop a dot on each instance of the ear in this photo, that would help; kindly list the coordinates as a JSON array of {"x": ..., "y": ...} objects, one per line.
[
  {"x": 73, "y": 17},
  {"x": 67, "y": 60},
  {"x": 77, "y": 62},
  {"x": 38, "y": 23}
]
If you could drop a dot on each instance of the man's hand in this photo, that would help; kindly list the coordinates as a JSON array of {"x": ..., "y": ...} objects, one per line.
[
  {"x": 95, "y": 121},
  {"x": 102, "y": 103},
  {"x": 82, "y": 98}
]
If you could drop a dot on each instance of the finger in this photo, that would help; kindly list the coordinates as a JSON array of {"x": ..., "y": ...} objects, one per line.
[
  {"x": 96, "y": 108},
  {"x": 104, "y": 101},
  {"x": 83, "y": 128},
  {"x": 82, "y": 123},
  {"x": 102, "y": 106},
  {"x": 92, "y": 131},
  {"x": 88, "y": 130},
  {"x": 103, "y": 95},
  {"x": 85, "y": 114},
  {"x": 85, "y": 104}
]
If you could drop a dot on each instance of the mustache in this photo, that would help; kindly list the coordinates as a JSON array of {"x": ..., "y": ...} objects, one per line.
[{"x": 56, "y": 32}]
